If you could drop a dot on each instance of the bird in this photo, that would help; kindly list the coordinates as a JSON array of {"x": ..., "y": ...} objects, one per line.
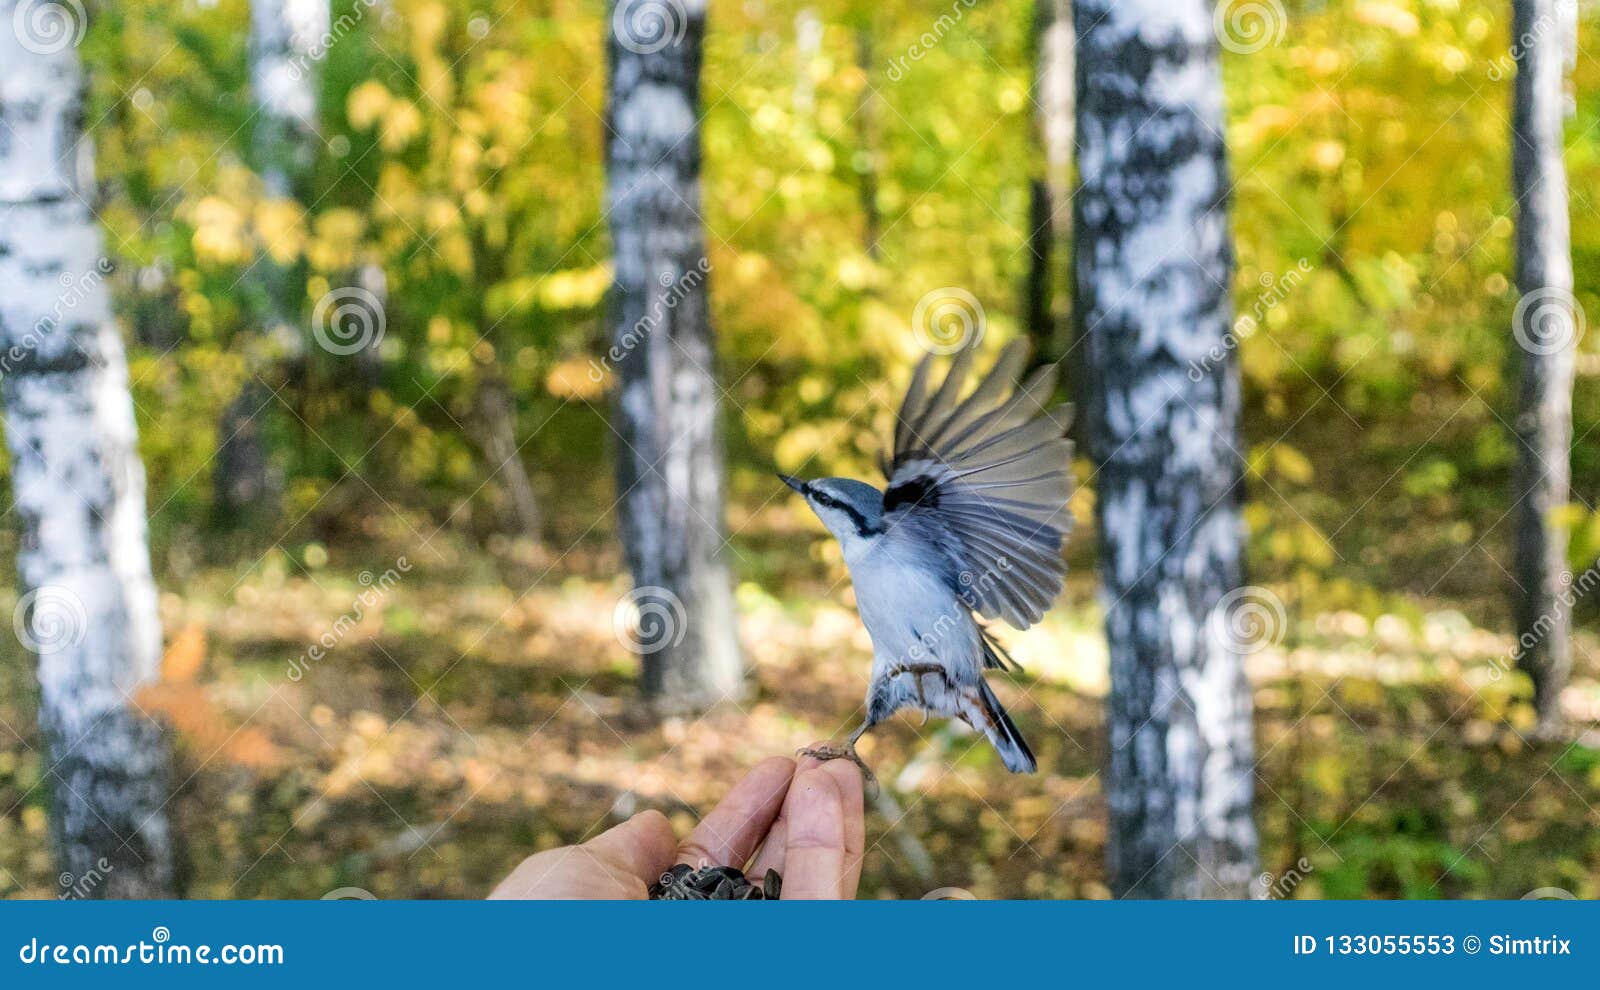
[{"x": 971, "y": 524}]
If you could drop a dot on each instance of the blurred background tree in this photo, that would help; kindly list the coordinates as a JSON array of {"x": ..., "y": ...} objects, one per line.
[
  {"x": 1545, "y": 329},
  {"x": 87, "y": 603},
  {"x": 670, "y": 480}
]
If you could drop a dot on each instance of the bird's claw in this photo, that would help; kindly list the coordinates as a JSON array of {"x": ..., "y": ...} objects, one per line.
[
  {"x": 826, "y": 753},
  {"x": 917, "y": 670}
]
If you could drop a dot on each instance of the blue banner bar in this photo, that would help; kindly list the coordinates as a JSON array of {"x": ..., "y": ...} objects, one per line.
[{"x": 821, "y": 946}]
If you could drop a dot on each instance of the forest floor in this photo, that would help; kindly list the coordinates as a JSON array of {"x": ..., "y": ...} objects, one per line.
[{"x": 475, "y": 707}]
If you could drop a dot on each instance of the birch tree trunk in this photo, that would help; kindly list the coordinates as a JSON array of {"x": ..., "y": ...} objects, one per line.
[
  {"x": 866, "y": 164},
  {"x": 1153, "y": 263},
  {"x": 1545, "y": 329},
  {"x": 1049, "y": 213},
  {"x": 669, "y": 467},
  {"x": 88, "y": 607},
  {"x": 286, "y": 40}
]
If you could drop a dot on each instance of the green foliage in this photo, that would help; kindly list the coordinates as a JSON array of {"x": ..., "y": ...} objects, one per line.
[{"x": 461, "y": 152}]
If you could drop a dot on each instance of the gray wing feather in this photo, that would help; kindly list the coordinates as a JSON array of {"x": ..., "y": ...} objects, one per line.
[{"x": 983, "y": 482}]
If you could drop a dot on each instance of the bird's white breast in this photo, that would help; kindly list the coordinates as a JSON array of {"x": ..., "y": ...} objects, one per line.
[{"x": 909, "y": 611}]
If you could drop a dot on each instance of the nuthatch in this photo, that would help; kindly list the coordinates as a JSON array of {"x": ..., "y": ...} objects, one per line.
[{"x": 972, "y": 521}]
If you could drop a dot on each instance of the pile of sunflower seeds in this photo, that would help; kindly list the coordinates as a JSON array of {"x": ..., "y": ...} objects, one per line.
[{"x": 714, "y": 883}]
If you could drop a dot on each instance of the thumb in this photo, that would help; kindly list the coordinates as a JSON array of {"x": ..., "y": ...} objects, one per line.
[{"x": 642, "y": 847}]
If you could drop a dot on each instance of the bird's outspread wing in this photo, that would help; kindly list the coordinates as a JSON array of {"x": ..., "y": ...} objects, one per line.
[{"x": 982, "y": 480}]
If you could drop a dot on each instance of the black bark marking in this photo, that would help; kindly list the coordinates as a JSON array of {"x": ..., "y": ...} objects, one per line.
[
  {"x": 669, "y": 463},
  {"x": 1152, "y": 261}
]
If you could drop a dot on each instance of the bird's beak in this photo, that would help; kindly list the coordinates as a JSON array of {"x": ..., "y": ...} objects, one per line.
[{"x": 794, "y": 483}]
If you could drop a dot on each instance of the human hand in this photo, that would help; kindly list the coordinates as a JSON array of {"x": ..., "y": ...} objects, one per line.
[
  {"x": 818, "y": 840},
  {"x": 805, "y": 821}
]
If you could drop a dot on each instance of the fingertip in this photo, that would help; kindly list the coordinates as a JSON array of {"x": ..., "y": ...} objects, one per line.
[
  {"x": 848, "y": 776},
  {"x": 817, "y": 816},
  {"x": 774, "y": 762},
  {"x": 652, "y": 823},
  {"x": 778, "y": 770},
  {"x": 643, "y": 845},
  {"x": 651, "y": 818}
]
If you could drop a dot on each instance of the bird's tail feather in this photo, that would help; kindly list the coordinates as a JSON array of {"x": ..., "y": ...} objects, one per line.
[{"x": 1003, "y": 732}]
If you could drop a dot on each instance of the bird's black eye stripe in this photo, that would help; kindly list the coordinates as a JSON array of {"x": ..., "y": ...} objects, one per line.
[{"x": 862, "y": 526}]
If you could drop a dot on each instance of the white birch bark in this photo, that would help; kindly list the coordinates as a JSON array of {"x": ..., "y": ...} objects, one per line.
[
  {"x": 1054, "y": 89},
  {"x": 286, "y": 46},
  {"x": 669, "y": 470},
  {"x": 1049, "y": 210},
  {"x": 89, "y": 602},
  {"x": 1153, "y": 262}
]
